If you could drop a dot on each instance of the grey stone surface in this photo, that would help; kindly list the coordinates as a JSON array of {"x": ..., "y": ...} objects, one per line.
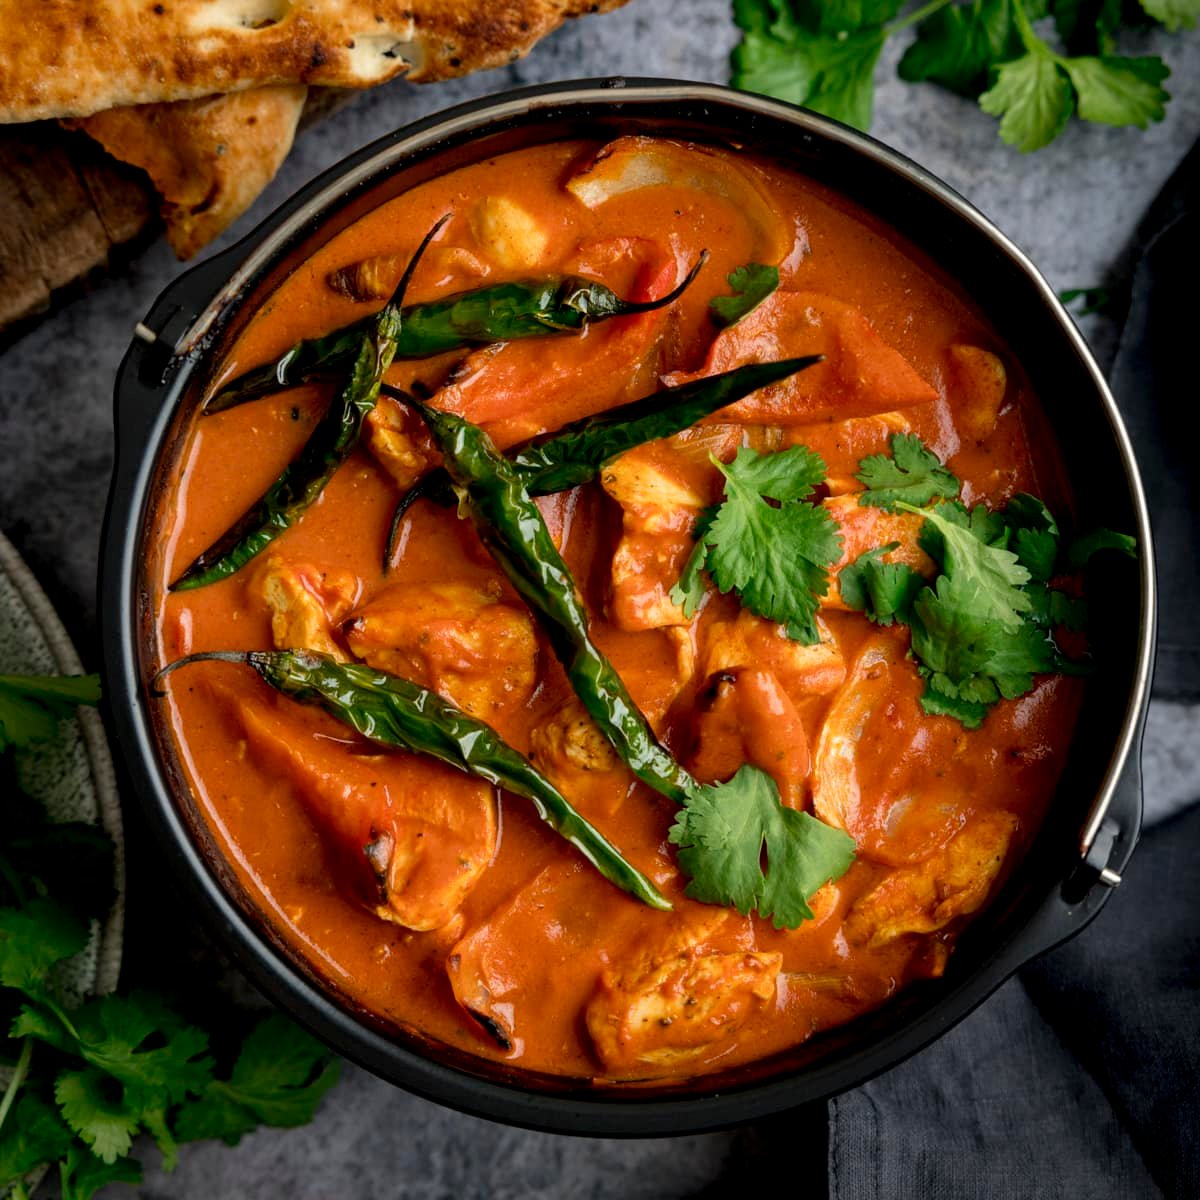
[{"x": 1073, "y": 207}]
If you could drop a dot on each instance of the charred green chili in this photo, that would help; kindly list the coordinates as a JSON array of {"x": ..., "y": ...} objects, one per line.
[
  {"x": 503, "y": 312},
  {"x": 330, "y": 443},
  {"x": 510, "y": 525},
  {"x": 574, "y": 454},
  {"x": 394, "y": 712}
]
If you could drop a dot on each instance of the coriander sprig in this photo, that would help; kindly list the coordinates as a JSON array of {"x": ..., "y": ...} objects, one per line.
[{"x": 824, "y": 55}]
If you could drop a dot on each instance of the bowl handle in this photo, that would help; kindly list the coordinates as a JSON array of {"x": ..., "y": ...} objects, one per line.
[{"x": 1085, "y": 891}]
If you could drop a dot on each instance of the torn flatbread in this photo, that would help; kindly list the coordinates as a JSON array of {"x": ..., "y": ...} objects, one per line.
[
  {"x": 72, "y": 58},
  {"x": 208, "y": 159}
]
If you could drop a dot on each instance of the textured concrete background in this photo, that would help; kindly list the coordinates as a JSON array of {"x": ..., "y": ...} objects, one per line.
[{"x": 1073, "y": 207}]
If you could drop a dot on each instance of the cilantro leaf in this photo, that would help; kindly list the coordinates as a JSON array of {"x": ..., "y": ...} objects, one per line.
[
  {"x": 87, "y": 1101},
  {"x": 822, "y": 56},
  {"x": 783, "y": 475},
  {"x": 32, "y": 705},
  {"x": 883, "y": 591},
  {"x": 1087, "y": 26},
  {"x": 1034, "y": 534},
  {"x": 82, "y": 1175},
  {"x": 33, "y": 938},
  {"x": 951, "y": 538},
  {"x": 1082, "y": 548},
  {"x": 140, "y": 1042},
  {"x": 967, "y": 712},
  {"x": 1033, "y": 100},
  {"x": 969, "y": 655},
  {"x": 1174, "y": 14},
  {"x": 688, "y": 591},
  {"x": 775, "y": 558},
  {"x": 956, "y": 45},
  {"x": 33, "y": 1134},
  {"x": 722, "y": 832},
  {"x": 751, "y": 284},
  {"x": 279, "y": 1079},
  {"x": 1052, "y": 608},
  {"x": 1119, "y": 91},
  {"x": 912, "y": 473}
]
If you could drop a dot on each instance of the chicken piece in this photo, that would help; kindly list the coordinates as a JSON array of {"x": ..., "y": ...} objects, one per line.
[
  {"x": 750, "y": 641},
  {"x": 951, "y": 883},
  {"x": 677, "y": 1002},
  {"x": 569, "y": 748},
  {"x": 864, "y": 527},
  {"x": 464, "y": 642},
  {"x": 543, "y": 948},
  {"x": 409, "y": 836},
  {"x": 659, "y": 508},
  {"x": 844, "y": 444},
  {"x": 976, "y": 384},
  {"x": 305, "y": 603},
  {"x": 883, "y": 770},
  {"x": 571, "y": 741},
  {"x": 861, "y": 375},
  {"x": 508, "y": 233},
  {"x": 399, "y": 441},
  {"x": 745, "y": 716}
]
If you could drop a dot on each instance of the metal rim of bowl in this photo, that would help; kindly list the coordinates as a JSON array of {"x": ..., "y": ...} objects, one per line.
[{"x": 632, "y": 1114}]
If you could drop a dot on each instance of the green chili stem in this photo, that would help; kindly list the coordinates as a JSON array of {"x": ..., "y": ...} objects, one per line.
[
  {"x": 20, "y": 1070},
  {"x": 400, "y": 714}
]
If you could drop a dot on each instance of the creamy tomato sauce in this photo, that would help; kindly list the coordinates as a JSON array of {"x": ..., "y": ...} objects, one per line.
[{"x": 496, "y": 937}]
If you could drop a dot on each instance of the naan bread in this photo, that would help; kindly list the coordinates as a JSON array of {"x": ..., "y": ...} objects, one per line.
[
  {"x": 209, "y": 159},
  {"x": 72, "y": 58}
]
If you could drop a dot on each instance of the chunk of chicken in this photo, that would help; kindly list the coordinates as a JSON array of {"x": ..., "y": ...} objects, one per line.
[
  {"x": 861, "y": 375},
  {"x": 677, "y": 1002},
  {"x": 571, "y": 740},
  {"x": 752, "y": 642},
  {"x": 951, "y": 883},
  {"x": 864, "y": 527},
  {"x": 464, "y": 642},
  {"x": 543, "y": 948},
  {"x": 659, "y": 508},
  {"x": 976, "y": 384},
  {"x": 874, "y": 772},
  {"x": 508, "y": 233},
  {"x": 305, "y": 602},
  {"x": 409, "y": 836},
  {"x": 398, "y": 440},
  {"x": 745, "y": 716},
  {"x": 844, "y": 444}
]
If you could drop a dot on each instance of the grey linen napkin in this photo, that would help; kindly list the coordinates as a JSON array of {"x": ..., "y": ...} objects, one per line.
[{"x": 1081, "y": 1077}]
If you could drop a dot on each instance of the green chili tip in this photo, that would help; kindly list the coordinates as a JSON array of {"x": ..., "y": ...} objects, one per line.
[
  {"x": 243, "y": 657},
  {"x": 630, "y": 308}
]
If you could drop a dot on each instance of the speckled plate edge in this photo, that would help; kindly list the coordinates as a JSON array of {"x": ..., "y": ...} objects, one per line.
[{"x": 97, "y": 779}]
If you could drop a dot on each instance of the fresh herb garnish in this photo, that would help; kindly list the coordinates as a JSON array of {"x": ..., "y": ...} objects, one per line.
[
  {"x": 751, "y": 285},
  {"x": 883, "y": 591},
  {"x": 1082, "y": 548},
  {"x": 776, "y": 557},
  {"x": 823, "y": 56},
  {"x": 722, "y": 832},
  {"x": 87, "y": 1080},
  {"x": 32, "y": 705},
  {"x": 911, "y": 473}
]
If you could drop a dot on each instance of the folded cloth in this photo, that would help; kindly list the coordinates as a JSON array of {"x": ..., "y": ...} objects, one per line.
[
  {"x": 1153, "y": 379},
  {"x": 1079, "y": 1077}
]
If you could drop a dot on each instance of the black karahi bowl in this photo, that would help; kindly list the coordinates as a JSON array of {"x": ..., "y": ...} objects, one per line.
[{"x": 1093, "y": 823}]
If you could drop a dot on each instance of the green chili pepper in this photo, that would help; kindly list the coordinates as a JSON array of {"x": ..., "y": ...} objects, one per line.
[
  {"x": 335, "y": 436},
  {"x": 575, "y": 454},
  {"x": 501, "y": 313},
  {"x": 510, "y": 525},
  {"x": 397, "y": 713}
]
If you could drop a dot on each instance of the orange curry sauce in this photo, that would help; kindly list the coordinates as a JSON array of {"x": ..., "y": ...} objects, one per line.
[{"x": 482, "y": 908}]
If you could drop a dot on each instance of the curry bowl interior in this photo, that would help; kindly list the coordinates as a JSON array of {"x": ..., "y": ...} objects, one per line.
[{"x": 979, "y": 265}]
